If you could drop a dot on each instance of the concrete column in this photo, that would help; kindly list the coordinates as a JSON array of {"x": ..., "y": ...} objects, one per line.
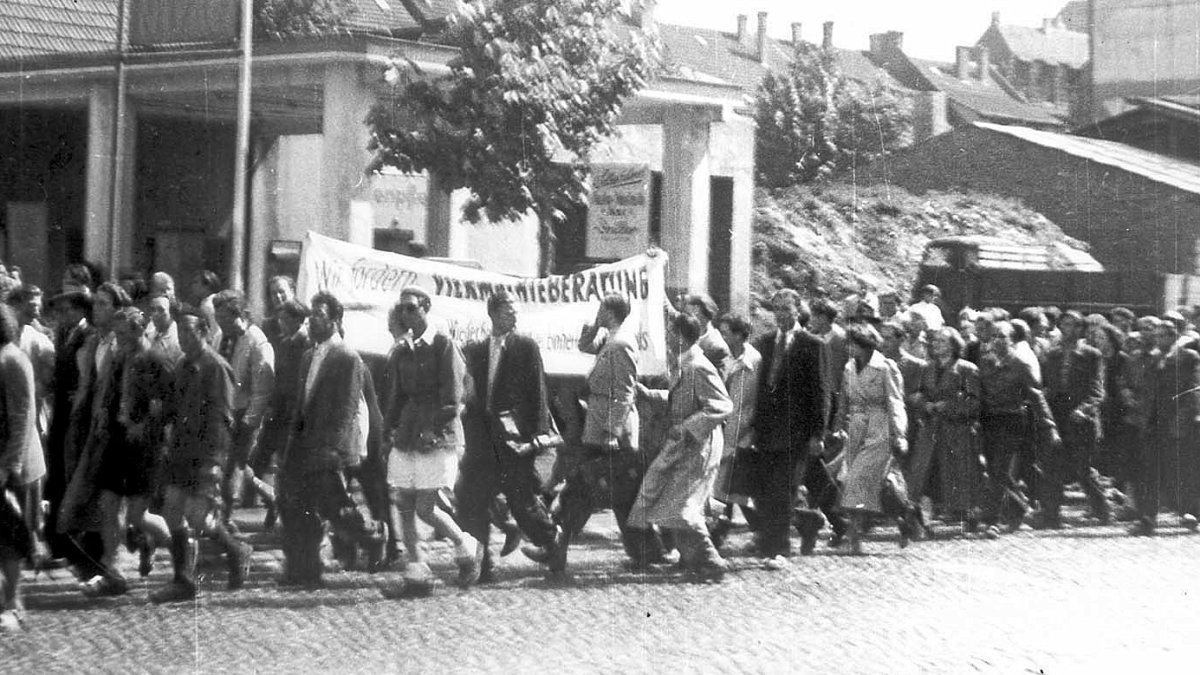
[
  {"x": 686, "y": 199},
  {"x": 263, "y": 219},
  {"x": 125, "y": 228},
  {"x": 344, "y": 155},
  {"x": 108, "y": 232},
  {"x": 97, "y": 226}
]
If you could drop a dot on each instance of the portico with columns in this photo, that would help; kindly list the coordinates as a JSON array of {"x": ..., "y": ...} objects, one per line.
[{"x": 156, "y": 162}]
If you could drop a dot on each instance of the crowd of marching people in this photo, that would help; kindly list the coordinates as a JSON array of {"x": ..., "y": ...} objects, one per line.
[{"x": 131, "y": 418}]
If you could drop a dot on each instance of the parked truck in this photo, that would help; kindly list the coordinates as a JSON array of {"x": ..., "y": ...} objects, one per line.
[{"x": 979, "y": 271}]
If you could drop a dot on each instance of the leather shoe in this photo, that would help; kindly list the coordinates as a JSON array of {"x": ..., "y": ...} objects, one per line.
[
  {"x": 173, "y": 592},
  {"x": 102, "y": 586},
  {"x": 1142, "y": 528},
  {"x": 239, "y": 567},
  {"x": 537, "y": 554},
  {"x": 512, "y": 538},
  {"x": 808, "y": 524}
]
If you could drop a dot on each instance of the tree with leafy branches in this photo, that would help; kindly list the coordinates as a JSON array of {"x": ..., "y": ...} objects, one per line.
[
  {"x": 812, "y": 120},
  {"x": 300, "y": 18},
  {"x": 535, "y": 86}
]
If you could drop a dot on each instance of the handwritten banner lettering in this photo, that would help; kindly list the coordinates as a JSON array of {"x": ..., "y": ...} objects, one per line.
[{"x": 552, "y": 310}]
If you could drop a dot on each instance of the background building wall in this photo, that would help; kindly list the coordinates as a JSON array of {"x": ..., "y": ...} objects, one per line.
[
  {"x": 1131, "y": 222},
  {"x": 1143, "y": 48}
]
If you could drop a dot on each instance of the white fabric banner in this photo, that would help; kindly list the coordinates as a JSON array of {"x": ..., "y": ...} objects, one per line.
[{"x": 551, "y": 310}]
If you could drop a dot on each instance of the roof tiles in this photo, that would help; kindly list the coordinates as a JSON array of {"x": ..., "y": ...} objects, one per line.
[{"x": 986, "y": 97}]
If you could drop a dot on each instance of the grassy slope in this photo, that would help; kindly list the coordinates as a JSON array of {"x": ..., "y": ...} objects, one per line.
[{"x": 845, "y": 238}]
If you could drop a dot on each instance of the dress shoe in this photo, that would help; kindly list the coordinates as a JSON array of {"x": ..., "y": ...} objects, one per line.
[
  {"x": 719, "y": 530},
  {"x": 808, "y": 523},
  {"x": 1045, "y": 521},
  {"x": 239, "y": 566},
  {"x": 175, "y": 591},
  {"x": 708, "y": 570},
  {"x": 536, "y": 553},
  {"x": 1142, "y": 528},
  {"x": 375, "y": 547},
  {"x": 299, "y": 582},
  {"x": 777, "y": 563},
  {"x": 512, "y": 538},
  {"x": 103, "y": 586}
]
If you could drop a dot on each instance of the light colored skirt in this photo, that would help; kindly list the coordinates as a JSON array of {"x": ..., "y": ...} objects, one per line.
[{"x": 422, "y": 470}]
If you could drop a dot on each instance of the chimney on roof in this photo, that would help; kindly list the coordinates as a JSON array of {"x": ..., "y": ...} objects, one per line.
[
  {"x": 762, "y": 38},
  {"x": 743, "y": 34},
  {"x": 642, "y": 13},
  {"x": 796, "y": 26},
  {"x": 995, "y": 18},
  {"x": 985, "y": 62},
  {"x": 962, "y": 62},
  {"x": 827, "y": 37},
  {"x": 884, "y": 44}
]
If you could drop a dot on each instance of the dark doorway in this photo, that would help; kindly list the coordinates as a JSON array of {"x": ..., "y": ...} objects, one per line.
[
  {"x": 720, "y": 239},
  {"x": 43, "y": 188}
]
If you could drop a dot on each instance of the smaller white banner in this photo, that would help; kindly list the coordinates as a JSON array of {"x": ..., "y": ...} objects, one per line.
[{"x": 618, "y": 210}]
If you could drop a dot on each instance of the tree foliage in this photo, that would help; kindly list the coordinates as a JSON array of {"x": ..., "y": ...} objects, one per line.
[
  {"x": 535, "y": 86},
  {"x": 812, "y": 120},
  {"x": 300, "y": 18}
]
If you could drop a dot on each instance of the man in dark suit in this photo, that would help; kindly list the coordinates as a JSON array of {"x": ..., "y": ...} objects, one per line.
[
  {"x": 329, "y": 438},
  {"x": 1073, "y": 374},
  {"x": 790, "y": 423},
  {"x": 506, "y": 421},
  {"x": 1171, "y": 451}
]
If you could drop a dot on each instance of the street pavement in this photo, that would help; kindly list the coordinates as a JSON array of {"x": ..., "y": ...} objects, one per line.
[{"x": 1083, "y": 599}]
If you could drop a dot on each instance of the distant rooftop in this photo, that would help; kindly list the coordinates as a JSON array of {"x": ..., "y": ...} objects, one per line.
[
  {"x": 1049, "y": 44},
  {"x": 712, "y": 55},
  {"x": 986, "y": 97}
]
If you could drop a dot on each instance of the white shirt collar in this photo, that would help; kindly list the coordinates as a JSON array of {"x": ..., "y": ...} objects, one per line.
[{"x": 426, "y": 337}]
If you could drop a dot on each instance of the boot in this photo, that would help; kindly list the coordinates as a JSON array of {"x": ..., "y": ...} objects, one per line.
[
  {"x": 183, "y": 560},
  {"x": 237, "y": 556},
  {"x": 704, "y": 563}
]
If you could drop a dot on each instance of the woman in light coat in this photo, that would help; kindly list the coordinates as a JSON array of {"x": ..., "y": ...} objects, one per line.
[
  {"x": 677, "y": 484},
  {"x": 872, "y": 419}
]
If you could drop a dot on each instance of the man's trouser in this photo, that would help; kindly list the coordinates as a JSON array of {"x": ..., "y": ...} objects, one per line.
[
  {"x": 496, "y": 468},
  {"x": 615, "y": 473},
  {"x": 309, "y": 497},
  {"x": 1170, "y": 464},
  {"x": 1005, "y": 438},
  {"x": 1070, "y": 462},
  {"x": 778, "y": 475}
]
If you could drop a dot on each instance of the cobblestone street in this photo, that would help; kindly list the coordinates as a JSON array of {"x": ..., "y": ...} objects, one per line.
[{"x": 1084, "y": 599}]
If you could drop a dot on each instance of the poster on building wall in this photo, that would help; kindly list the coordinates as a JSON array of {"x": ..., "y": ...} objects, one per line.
[
  {"x": 618, "y": 210},
  {"x": 552, "y": 310}
]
